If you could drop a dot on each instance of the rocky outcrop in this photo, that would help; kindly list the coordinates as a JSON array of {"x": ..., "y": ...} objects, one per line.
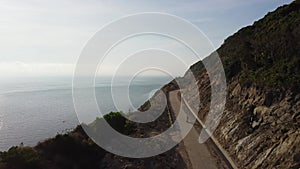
[
  {"x": 260, "y": 135},
  {"x": 259, "y": 127}
]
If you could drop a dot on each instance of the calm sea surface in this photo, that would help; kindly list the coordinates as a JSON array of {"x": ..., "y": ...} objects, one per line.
[{"x": 34, "y": 109}]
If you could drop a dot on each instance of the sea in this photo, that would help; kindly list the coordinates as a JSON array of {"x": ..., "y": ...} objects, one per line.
[{"x": 37, "y": 108}]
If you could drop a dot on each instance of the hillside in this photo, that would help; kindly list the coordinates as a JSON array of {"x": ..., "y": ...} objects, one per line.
[{"x": 260, "y": 125}]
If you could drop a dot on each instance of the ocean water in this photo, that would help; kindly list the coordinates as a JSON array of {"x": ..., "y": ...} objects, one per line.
[{"x": 34, "y": 109}]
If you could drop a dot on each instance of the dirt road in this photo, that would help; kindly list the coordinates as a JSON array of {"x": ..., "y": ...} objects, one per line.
[{"x": 200, "y": 155}]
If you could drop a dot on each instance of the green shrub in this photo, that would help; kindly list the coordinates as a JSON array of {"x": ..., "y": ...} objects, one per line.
[
  {"x": 19, "y": 157},
  {"x": 115, "y": 120}
]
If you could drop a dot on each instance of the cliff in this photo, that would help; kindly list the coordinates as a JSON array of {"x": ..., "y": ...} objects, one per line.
[{"x": 261, "y": 121}]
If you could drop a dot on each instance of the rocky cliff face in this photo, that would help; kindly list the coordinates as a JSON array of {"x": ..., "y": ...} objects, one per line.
[
  {"x": 259, "y": 132},
  {"x": 260, "y": 127}
]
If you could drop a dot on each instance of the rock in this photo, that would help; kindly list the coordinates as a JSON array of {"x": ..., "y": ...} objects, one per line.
[
  {"x": 297, "y": 98},
  {"x": 236, "y": 91}
]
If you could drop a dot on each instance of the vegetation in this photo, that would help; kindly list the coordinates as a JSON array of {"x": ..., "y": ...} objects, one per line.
[
  {"x": 72, "y": 150},
  {"x": 116, "y": 120},
  {"x": 19, "y": 157},
  {"x": 266, "y": 53}
]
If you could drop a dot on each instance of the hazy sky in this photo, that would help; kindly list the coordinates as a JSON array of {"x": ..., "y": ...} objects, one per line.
[{"x": 46, "y": 37}]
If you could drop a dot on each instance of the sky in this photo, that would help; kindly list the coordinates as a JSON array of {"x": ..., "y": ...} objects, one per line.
[{"x": 45, "y": 38}]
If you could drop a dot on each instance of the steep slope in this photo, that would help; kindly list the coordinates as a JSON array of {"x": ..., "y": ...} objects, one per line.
[{"x": 260, "y": 125}]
